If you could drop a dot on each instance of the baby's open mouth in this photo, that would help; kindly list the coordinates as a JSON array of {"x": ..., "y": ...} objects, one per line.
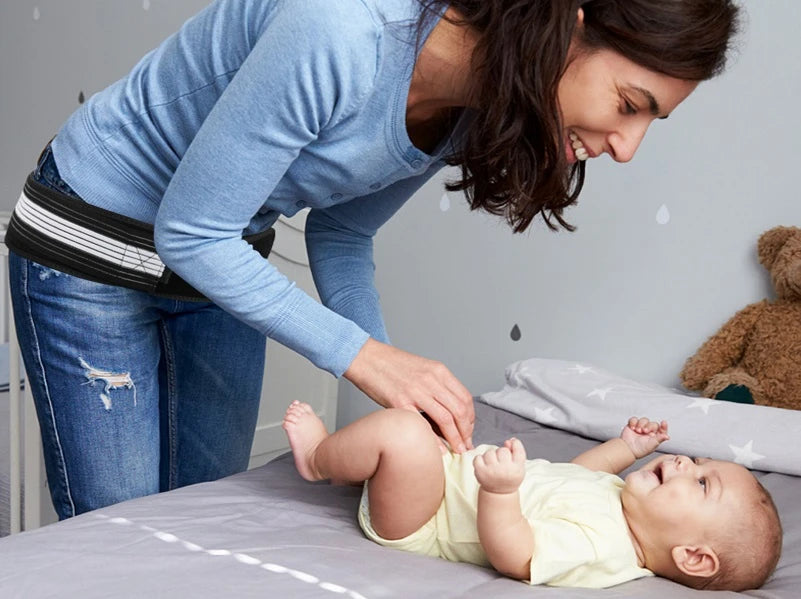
[{"x": 658, "y": 472}]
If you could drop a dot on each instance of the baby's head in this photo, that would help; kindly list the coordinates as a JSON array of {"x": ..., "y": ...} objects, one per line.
[{"x": 704, "y": 523}]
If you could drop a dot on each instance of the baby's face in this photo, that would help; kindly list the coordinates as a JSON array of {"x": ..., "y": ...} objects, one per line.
[{"x": 678, "y": 500}]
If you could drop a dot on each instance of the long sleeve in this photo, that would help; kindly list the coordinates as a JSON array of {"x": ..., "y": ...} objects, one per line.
[
  {"x": 339, "y": 241},
  {"x": 299, "y": 79}
]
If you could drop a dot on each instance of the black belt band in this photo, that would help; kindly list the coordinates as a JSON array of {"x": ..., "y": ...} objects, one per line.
[{"x": 70, "y": 235}]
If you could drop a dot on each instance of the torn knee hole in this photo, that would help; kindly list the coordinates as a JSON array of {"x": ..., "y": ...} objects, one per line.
[{"x": 111, "y": 380}]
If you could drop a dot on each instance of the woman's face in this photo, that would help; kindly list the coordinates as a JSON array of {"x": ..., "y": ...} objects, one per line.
[{"x": 608, "y": 102}]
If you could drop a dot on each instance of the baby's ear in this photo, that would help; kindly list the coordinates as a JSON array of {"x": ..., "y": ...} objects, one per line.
[{"x": 700, "y": 561}]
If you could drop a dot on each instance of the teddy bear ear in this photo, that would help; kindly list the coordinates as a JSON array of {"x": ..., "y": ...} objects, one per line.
[{"x": 771, "y": 242}]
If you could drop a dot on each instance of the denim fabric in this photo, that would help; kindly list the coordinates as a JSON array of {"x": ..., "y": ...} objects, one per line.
[
  {"x": 46, "y": 173},
  {"x": 135, "y": 394}
]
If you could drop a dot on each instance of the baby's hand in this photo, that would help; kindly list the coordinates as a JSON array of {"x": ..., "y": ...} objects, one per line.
[
  {"x": 643, "y": 436},
  {"x": 501, "y": 470}
]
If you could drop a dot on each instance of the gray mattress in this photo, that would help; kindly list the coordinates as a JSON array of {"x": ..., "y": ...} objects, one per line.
[{"x": 268, "y": 533}]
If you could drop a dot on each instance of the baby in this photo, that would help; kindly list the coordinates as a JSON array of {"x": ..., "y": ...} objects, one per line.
[{"x": 704, "y": 523}]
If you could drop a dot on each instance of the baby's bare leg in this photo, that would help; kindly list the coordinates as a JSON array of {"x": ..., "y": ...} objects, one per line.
[{"x": 395, "y": 450}]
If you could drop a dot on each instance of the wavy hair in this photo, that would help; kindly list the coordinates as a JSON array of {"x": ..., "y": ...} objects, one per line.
[{"x": 512, "y": 159}]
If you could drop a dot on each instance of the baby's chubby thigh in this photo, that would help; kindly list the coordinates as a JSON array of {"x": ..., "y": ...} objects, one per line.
[
  {"x": 409, "y": 484},
  {"x": 444, "y": 533}
]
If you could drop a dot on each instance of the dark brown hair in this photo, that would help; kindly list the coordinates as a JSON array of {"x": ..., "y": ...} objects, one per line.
[{"x": 512, "y": 158}]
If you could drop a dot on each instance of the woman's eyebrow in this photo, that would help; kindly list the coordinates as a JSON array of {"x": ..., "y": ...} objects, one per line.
[{"x": 653, "y": 105}]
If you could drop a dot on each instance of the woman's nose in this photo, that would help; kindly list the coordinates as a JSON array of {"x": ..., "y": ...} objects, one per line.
[{"x": 623, "y": 144}]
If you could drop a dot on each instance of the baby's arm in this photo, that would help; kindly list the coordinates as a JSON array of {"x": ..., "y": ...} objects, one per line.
[
  {"x": 639, "y": 438},
  {"x": 504, "y": 533}
]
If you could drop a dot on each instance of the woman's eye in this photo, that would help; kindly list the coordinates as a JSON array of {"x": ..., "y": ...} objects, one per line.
[{"x": 629, "y": 108}]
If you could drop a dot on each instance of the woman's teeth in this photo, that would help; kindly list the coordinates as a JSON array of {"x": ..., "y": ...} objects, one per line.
[{"x": 578, "y": 147}]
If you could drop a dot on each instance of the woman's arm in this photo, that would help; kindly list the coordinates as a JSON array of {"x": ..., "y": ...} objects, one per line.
[
  {"x": 305, "y": 73},
  {"x": 339, "y": 240},
  {"x": 505, "y": 534},
  {"x": 339, "y": 243}
]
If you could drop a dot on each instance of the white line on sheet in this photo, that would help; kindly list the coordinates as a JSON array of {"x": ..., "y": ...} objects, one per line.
[{"x": 242, "y": 558}]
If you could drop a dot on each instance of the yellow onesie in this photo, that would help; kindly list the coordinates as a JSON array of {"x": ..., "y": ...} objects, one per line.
[{"x": 580, "y": 534}]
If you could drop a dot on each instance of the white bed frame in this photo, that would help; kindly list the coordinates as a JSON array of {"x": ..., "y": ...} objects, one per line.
[{"x": 24, "y": 447}]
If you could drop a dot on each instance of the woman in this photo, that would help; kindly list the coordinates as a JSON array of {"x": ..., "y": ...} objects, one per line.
[{"x": 140, "y": 280}]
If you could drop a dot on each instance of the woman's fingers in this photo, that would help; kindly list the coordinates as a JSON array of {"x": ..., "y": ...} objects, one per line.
[
  {"x": 448, "y": 404},
  {"x": 399, "y": 379},
  {"x": 463, "y": 410},
  {"x": 445, "y": 423},
  {"x": 457, "y": 416}
]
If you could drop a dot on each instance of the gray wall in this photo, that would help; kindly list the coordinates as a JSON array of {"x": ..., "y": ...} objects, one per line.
[
  {"x": 664, "y": 252},
  {"x": 624, "y": 291},
  {"x": 52, "y": 51}
]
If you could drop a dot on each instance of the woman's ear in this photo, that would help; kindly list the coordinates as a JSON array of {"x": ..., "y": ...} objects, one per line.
[
  {"x": 701, "y": 561},
  {"x": 580, "y": 19}
]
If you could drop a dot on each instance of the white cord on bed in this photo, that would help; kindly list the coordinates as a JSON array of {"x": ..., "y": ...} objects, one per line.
[{"x": 242, "y": 558}]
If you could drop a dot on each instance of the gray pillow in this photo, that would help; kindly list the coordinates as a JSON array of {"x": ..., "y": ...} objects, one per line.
[{"x": 594, "y": 403}]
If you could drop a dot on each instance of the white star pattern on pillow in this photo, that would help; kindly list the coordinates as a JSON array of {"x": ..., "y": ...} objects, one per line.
[
  {"x": 746, "y": 455},
  {"x": 702, "y": 403},
  {"x": 600, "y": 393},
  {"x": 545, "y": 416}
]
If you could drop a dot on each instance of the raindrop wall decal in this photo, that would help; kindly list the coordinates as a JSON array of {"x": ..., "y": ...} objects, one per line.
[
  {"x": 444, "y": 202},
  {"x": 663, "y": 215},
  {"x": 81, "y": 97},
  {"x": 36, "y": 13},
  {"x": 146, "y": 4},
  {"x": 515, "y": 334}
]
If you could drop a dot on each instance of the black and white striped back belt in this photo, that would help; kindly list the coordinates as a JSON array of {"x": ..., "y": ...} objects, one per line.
[{"x": 70, "y": 235}]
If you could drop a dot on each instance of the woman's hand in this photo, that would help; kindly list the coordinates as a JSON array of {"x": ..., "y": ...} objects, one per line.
[
  {"x": 501, "y": 470},
  {"x": 394, "y": 378}
]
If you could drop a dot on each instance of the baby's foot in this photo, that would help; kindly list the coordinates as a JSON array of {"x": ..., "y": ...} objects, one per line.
[{"x": 305, "y": 431}]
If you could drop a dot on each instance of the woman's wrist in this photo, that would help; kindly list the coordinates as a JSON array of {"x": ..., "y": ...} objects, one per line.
[{"x": 356, "y": 373}]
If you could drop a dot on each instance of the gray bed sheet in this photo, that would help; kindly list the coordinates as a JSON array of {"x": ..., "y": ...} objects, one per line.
[{"x": 268, "y": 533}]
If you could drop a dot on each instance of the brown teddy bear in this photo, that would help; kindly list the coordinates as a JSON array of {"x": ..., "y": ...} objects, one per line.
[{"x": 756, "y": 356}]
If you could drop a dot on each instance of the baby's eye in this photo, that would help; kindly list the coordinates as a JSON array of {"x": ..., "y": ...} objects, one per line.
[{"x": 702, "y": 482}]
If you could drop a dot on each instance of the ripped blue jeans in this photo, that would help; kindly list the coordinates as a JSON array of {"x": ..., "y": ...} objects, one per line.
[{"x": 134, "y": 393}]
